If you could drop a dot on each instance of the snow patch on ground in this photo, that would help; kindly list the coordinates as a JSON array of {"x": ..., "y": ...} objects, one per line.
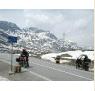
[
  {"x": 3, "y": 79},
  {"x": 49, "y": 56},
  {"x": 74, "y": 54}
]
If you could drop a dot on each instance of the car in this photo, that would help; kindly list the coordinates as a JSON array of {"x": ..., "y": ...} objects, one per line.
[{"x": 57, "y": 59}]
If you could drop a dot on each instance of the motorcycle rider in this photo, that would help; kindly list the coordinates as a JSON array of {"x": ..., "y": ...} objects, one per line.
[
  {"x": 26, "y": 55},
  {"x": 86, "y": 63}
]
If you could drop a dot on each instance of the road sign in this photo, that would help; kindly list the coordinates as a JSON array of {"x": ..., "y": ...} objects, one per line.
[{"x": 12, "y": 39}]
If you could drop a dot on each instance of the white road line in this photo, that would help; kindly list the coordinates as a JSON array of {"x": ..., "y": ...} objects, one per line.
[
  {"x": 43, "y": 77},
  {"x": 36, "y": 74},
  {"x": 56, "y": 70},
  {"x": 64, "y": 66},
  {"x": 55, "y": 64},
  {"x": 63, "y": 71}
]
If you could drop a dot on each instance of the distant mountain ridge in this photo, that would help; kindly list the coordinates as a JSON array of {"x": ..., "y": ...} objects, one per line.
[
  {"x": 5, "y": 25},
  {"x": 36, "y": 40}
]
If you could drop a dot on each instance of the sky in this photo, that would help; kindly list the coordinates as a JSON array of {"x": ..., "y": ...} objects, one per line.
[{"x": 71, "y": 24}]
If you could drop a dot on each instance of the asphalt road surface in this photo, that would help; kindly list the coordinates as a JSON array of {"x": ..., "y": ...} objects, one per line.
[{"x": 48, "y": 71}]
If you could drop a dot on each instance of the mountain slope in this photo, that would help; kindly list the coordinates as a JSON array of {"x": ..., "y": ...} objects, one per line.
[
  {"x": 5, "y": 25},
  {"x": 37, "y": 41}
]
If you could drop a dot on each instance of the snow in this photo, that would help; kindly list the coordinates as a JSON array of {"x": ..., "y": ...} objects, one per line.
[
  {"x": 74, "y": 54},
  {"x": 42, "y": 35},
  {"x": 90, "y": 54},
  {"x": 49, "y": 56},
  {"x": 20, "y": 54},
  {"x": 41, "y": 42},
  {"x": 3, "y": 79}
]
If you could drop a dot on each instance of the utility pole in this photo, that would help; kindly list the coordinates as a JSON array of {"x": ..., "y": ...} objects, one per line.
[{"x": 63, "y": 35}]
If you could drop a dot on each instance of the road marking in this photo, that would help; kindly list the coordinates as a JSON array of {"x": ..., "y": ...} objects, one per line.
[
  {"x": 36, "y": 74},
  {"x": 63, "y": 71},
  {"x": 43, "y": 77},
  {"x": 56, "y": 70},
  {"x": 64, "y": 67}
]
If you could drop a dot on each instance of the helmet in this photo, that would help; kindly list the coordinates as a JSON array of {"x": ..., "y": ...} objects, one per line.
[{"x": 24, "y": 49}]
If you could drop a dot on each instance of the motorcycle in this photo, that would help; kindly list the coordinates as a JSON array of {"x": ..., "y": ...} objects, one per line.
[{"x": 22, "y": 61}]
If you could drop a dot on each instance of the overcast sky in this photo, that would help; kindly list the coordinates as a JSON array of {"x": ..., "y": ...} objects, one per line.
[{"x": 77, "y": 25}]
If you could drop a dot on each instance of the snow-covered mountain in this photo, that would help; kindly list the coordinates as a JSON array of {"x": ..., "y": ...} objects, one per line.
[
  {"x": 37, "y": 41},
  {"x": 5, "y": 25}
]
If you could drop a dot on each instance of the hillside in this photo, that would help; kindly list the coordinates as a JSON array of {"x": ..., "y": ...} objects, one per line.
[{"x": 37, "y": 41}]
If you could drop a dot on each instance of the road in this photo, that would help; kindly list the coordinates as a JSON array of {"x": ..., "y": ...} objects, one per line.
[{"x": 48, "y": 71}]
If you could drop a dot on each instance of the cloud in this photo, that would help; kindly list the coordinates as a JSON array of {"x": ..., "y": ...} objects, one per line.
[
  {"x": 44, "y": 18},
  {"x": 76, "y": 24},
  {"x": 80, "y": 23}
]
